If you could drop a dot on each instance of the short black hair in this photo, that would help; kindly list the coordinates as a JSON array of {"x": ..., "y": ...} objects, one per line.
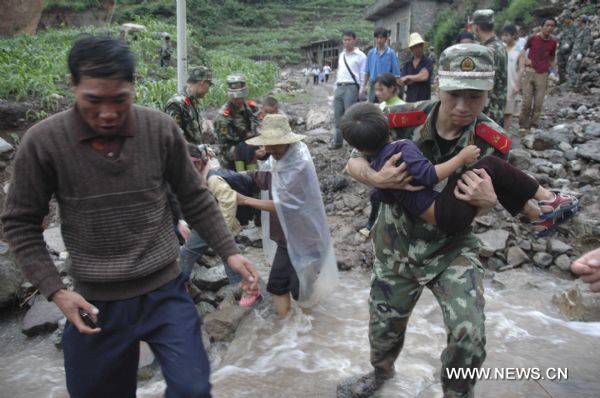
[
  {"x": 270, "y": 101},
  {"x": 349, "y": 33},
  {"x": 388, "y": 80},
  {"x": 464, "y": 35},
  {"x": 485, "y": 26},
  {"x": 510, "y": 29},
  {"x": 548, "y": 19},
  {"x": 380, "y": 32},
  {"x": 101, "y": 57},
  {"x": 365, "y": 127}
]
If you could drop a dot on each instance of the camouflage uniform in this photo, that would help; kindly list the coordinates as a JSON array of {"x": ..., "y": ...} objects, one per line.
[
  {"x": 566, "y": 45},
  {"x": 497, "y": 96},
  {"x": 411, "y": 254},
  {"x": 580, "y": 49},
  {"x": 235, "y": 125},
  {"x": 184, "y": 108},
  {"x": 165, "y": 53}
]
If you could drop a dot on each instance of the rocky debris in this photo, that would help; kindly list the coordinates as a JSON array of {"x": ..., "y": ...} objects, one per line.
[
  {"x": 579, "y": 303},
  {"x": 492, "y": 241},
  {"x": 54, "y": 240},
  {"x": 221, "y": 324},
  {"x": 319, "y": 117},
  {"x": 42, "y": 317},
  {"x": 11, "y": 277},
  {"x": 516, "y": 256},
  {"x": 209, "y": 278},
  {"x": 146, "y": 361},
  {"x": 288, "y": 87}
]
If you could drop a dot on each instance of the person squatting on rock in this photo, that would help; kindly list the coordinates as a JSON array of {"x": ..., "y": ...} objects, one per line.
[
  {"x": 588, "y": 268},
  {"x": 183, "y": 107},
  {"x": 580, "y": 49},
  {"x": 348, "y": 82},
  {"x": 410, "y": 253},
  {"x": 108, "y": 163},
  {"x": 539, "y": 60},
  {"x": 304, "y": 265},
  {"x": 236, "y": 122},
  {"x": 366, "y": 129},
  {"x": 483, "y": 27},
  {"x": 224, "y": 184}
]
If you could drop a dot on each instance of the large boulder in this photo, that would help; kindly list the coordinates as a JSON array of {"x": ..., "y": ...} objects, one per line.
[
  {"x": 590, "y": 150},
  {"x": 222, "y": 324},
  {"x": 209, "y": 278},
  {"x": 11, "y": 277},
  {"x": 579, "y": 303},
  {"x": 42, "y": 317},
  {"x": 492, "y": 241}
]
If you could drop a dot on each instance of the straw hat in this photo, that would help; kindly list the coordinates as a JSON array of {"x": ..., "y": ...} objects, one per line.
[
  {"x": 275, "y": 130},
  {"x": 415, "y": 39}
]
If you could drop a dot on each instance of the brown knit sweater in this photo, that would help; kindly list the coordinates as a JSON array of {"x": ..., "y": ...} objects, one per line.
[{"x": 116, "y": 222}]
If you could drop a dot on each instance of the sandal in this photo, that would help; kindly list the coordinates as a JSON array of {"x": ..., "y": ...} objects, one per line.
[
  {"x": 556, "y": 207},
  {"x": 546, "y": 227},
  {"x": 249, "y": 298}
]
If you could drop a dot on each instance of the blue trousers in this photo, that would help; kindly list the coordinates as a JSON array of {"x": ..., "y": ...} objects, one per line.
[
  {"x": 105, "y": 364},
  {"x": 192, "y": 250}
]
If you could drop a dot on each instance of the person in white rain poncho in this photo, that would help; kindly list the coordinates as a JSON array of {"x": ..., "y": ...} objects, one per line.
[{"x": 304, "y": 264}]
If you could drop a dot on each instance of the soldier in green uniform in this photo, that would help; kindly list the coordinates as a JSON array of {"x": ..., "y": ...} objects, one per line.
[
  {"x": 580, "y": 48},
  {"x": 566, "y": 45},
  {"x": 183, "y": 108},
  {"x": 236, "y": 122},
  {"x": 411, "y": 254},
  {"x": 483, "y": 27}
]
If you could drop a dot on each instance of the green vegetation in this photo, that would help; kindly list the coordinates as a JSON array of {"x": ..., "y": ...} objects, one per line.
[
  {"x": 517, "y": 8},
  {"x": 34, "y": 67},
  {"x": 260, "y": 29}
]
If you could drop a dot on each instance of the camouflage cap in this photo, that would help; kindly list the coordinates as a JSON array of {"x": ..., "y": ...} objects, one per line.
[
  {"x": 199, "y": 73},
  {"x": 466, "y": 67},
  {"x": 236, "y": 86},
  {"x": 483, "y": 16}
]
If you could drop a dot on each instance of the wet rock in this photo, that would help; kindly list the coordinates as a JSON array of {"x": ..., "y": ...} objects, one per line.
[
  {"x": 321, "y": 117},
  {"x": 229, "y": 291},
  {"x": 11, "y": 278},
  {"x": 516, "y": 256},
  {"x": 492, "y": 241},
  {"x": 221, "y": 324},
  {"x": 590, "y": 175},
  {"x": 563, "y": 262},
  {"x": 204, "y": 309},
  {"x": 542, "y": 259},
  {"x": 520, "y": 158},
  {"x": 590, "y": 150},
  {"x": 145, "y": 371},
  {"x": 42, "y": 317},
  {"x": 579, "y": 303},
  {"x": 557, "y": 247},
  {"x": 337, "y": 183},
  {"x": 494, "y": 263},
  {"x": 209, "y": 278}
]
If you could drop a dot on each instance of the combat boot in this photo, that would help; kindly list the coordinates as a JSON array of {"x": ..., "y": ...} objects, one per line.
[{"x": 363, "y": 386}]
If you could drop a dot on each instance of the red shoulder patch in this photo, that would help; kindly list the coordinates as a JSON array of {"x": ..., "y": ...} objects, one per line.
[
  {"x": 406, "y": 119},
  {"x": 251, "y": 103},
  {"x": 226, "y": 111},
  {"x": 495, "y": 138},
  {"x": 187, "y": 100}
]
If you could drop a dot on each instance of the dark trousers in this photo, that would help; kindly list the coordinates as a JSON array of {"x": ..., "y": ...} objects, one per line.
[
  {"x": 512, "y": 186},
  {"x": 106, "y": 364}
]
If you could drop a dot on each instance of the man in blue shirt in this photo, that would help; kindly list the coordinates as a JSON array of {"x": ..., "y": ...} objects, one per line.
[{"x": 381, "y": 59}]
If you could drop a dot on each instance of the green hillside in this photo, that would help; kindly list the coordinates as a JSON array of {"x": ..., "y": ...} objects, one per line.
[{"x": 259, "y": 29}]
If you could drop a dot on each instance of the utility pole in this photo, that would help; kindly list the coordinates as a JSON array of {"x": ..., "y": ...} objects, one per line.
[{"x": 181, "y": 46}]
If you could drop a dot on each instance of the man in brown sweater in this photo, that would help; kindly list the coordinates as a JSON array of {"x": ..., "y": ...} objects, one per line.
[{"x": 108, "y": 163}]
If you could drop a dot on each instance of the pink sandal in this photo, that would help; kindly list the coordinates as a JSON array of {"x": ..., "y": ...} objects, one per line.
[{"x": 249, "y": 298}]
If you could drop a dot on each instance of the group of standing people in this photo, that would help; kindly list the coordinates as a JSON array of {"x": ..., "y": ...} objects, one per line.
[{"x": 318, "y": 75}]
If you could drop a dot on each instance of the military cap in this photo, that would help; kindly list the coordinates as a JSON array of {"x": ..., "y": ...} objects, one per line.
[
  {"x": 466, "y": 67},
  {"x": 236, "y": 86},
  {"x": 199, "y": 73},
  {"x": 483, "y": 16}
]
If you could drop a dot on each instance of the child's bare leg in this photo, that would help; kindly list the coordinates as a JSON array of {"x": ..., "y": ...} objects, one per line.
[
  {"x": 543, "y": 194},
  {"x": 283, "y": 303},
  {"x": 531, "y": 210}
]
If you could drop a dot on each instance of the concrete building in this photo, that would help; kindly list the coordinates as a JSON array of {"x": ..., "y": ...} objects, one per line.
[{"x": 402, "y": 17}]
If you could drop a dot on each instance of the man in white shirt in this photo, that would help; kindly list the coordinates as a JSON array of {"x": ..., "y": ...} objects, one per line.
[{"x": 348, "y": 83}]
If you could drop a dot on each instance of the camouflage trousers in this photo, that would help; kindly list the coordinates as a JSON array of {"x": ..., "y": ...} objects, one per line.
[
  {"x": 459, "y": 292},
  {"x": 573, "y": 67},
  {"x": 562, "y": 58}
]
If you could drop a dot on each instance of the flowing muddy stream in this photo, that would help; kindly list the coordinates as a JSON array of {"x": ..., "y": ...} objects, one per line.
[{"x": 307, "y": 354}]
